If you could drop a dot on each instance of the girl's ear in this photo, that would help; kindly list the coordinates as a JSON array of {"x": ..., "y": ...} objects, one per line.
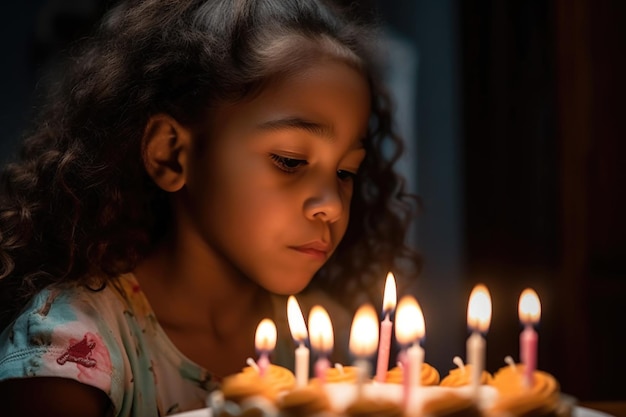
[{"x": 166, "y": 145}]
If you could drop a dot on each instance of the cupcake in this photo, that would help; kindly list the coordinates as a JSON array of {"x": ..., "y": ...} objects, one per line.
[
  {"x": 461, "y": 376},
  {"x": 541, "y": 398},
  {"x": 280, "y": 378},
  {"x": 451, "y": 404},
  {"x": 429, "y": 375},
  {"x": 303, "y": 402},
  {"x": 239, "y": 387},
  {"x": 244, "y": 395},
  {"x": 248, "y": 394},
  {"x": 341, "y": 374},
  {"x": 374, "y": 407}
]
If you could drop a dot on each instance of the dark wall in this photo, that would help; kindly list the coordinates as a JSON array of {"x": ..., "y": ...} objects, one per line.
[
  {"x": 511, "y": 158},
  {"x": 33, "y": 34},
  {"x": 541, "y": 196},
  {"x": 543, "y": 95}
]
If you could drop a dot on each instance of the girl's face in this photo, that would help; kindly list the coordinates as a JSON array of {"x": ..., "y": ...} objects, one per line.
[{"x": 271, "y": 178}]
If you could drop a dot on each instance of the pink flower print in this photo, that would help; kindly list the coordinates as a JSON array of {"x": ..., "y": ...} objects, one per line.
[
  {"x": 79, "y": 352},
  {"x": 136, "y": 298},
  {"x": 92, "y": 360}
]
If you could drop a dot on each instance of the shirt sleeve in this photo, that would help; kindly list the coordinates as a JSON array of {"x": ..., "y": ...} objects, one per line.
[{"x": 62, "y": 334}]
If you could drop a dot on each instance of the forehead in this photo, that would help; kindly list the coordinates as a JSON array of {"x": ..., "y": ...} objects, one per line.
[{"x": 328, "y": 92}]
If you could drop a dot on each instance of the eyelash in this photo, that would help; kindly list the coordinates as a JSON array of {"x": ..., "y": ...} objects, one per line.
[
  {"x": 291, "y": 165},
  {"x": 346, "y": 175}
]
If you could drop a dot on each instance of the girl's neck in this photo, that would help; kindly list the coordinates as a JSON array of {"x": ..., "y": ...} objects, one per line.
[
  {"x": 207, "y": 309},
  {"x": 193, "y": 290}
]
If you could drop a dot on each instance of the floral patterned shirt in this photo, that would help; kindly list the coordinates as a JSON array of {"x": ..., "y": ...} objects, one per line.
[
  {"x": 111, "y": 340},
  {"x": 107, "y": 339}
]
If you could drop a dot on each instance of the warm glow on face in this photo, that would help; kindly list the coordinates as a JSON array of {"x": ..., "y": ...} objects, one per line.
[
  {"x": 479, "y": 309},
  {"x": 410, "y": 325},
  {"x": 364, "y": 332},
  {"x": 389, "y": 296},
  {"x": 296, "y": 320},
  {"x": 529, "y": 307},
  {"x": 265, "y": 337},
  {"x": 320, "y": 330}
]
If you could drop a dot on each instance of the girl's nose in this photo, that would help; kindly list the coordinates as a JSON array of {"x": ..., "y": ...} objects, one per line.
[{"x": 325, "y": 203}]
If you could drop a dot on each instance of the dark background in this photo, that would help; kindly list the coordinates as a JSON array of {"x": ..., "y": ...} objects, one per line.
[{"x": 520, "y": 148}]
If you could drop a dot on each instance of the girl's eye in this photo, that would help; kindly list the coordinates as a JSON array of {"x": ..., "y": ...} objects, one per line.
[
  {"x": 346, "y": 175},
  {"x": 289, "y": 165}
]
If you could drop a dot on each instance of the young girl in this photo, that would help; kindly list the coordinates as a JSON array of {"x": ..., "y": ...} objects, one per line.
[{"x": 197, "y": 159}]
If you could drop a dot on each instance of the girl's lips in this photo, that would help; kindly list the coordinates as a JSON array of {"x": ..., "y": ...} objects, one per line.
[
  {"x": 316, "y": 249},
  {"x": 312, "y": 252}
]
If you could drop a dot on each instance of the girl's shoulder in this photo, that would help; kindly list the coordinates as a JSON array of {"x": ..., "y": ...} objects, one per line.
[
  {"x": 72, "y": 331},
  {"x": 66, "y": 303},
  {"x": 108, "y": 339},
  {"x": 65, "y": 331}
]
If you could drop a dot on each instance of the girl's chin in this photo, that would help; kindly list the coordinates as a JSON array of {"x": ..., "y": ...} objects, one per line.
[{"x": 288, "y": 288}]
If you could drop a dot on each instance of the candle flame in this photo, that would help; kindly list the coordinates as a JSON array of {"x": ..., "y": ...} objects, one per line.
[
  {"x": 296, "y": 320},
  {"x": 320, "y": 330},
  {"x": 529, "y": 307},
  {"x": 265, "y": 337},
  {"x": 364, "y": 332},
  {"x": 479, "y": 309},
  {"x": 389, "y": 295},
  {"x": 410, "y": 325}
]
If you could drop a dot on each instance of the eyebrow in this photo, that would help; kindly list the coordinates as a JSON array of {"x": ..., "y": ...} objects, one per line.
[{"x": 319, "y": 129}]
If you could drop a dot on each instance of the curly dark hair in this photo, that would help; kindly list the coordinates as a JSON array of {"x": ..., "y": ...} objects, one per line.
[{"x": 78, "y": 205}]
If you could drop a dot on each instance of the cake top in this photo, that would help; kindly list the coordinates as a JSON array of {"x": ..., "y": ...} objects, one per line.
[
  {"x": 428, "y": 376},
  {"x": 462, "y": 375},
  {"x": 275, "y": 395},
  {"x": 541, "y": 398}
]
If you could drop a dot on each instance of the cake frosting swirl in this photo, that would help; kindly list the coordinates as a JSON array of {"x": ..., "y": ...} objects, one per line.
[
  {"x": 461, "y": 376},
  {"x": 281, "y": 378},
  {"x": 429, "y": 375},
  {"x": 541, "y": 398},
  {"x": 341, "y": 374}
]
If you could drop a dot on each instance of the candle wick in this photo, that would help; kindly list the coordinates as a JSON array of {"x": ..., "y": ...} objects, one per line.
[
  {"x": 509, "y": 361},
  {"x": 459, "y": 362},
  {"x": 339, "y": 367},
  {"x": 252, "y": 364}
]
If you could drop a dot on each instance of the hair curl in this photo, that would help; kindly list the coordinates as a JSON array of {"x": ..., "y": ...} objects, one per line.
[{"x": 78, "y": 205}]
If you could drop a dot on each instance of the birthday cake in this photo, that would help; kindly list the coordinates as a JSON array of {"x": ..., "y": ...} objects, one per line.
[
  {"x": 500, "y": 395},
  {"x": 413, "y": 388}
]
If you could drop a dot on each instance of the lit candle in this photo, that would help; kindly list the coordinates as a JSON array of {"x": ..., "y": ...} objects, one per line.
[
  {"x": 299, "y": 334},
  {"x": 363, "y": 341},
  {"x": 265, "y": 341},
  {"x": 478, "y": 320},
  {"x": 529, "y": 314},
  {"x": 321, "y": 338},
  {"x": 410, "y": 329},
  {"x": 389, "y": 303}
]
